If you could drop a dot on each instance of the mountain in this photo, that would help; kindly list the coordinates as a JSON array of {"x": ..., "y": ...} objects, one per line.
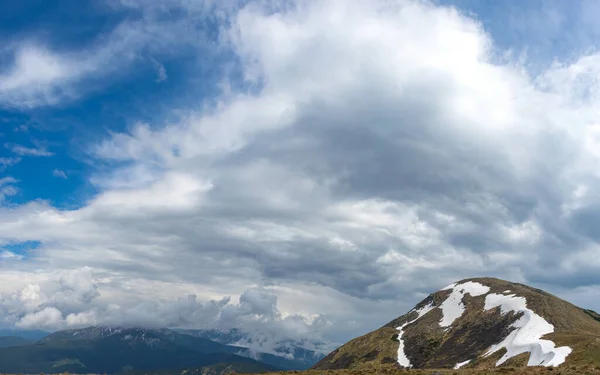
[
  {"x": 119, "y": 350},
  {"x": 7, "y": 341},
  {"x": 32, "y": 335},
  {"x": 478, "y": 323},
  {"x": 283, "y": 353}
]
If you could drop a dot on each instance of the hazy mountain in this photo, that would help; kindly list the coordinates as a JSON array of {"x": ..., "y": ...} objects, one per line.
[
  {"x": 116, "y": 350},
  {"x": 7, "y": 341},
  {"x": 283, "y": 353},
  {"x": 32, "y": 335},
  {"x": 478, "y": 323}
]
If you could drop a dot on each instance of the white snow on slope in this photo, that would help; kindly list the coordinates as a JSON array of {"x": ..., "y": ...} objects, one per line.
[
  {"x": 453, "y": 307},
  {"x": 527, "y": 337},
  {"x": 461, "y": 364},
  {"x": 402, "y": 358}
]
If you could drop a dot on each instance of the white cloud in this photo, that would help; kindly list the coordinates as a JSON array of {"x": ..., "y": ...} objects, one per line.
[
  {"x": 47, "y": 318},
  {"x": 71, "y": 299},
  {"x": 9, "y": 255},
  {"x": 60, "y": 174},
  {"x": 384, "y": 153},
  {"x": 39, "y": 75},
  {"x": 7, "y": 188},
  {"x": 7, "y": 162},
  {"x": 33, "y": 66},
  {"x": 161, "y": 71},
  {"x": 28, "y": 151},
  {"x": 7, "y": 180},
  {"x": 36, "y": 77}
]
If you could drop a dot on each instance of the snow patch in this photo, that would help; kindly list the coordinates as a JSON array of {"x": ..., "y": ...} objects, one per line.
[
  {"x": 461, "y": 364},
  {"x": 453, "y": 307},
  {"x": 402, "y": 358},
  {"x": 527, "y": 336}
]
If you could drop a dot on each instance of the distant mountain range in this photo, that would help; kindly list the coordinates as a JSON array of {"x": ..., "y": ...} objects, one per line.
[
  {"x": 7, "y": 341},
  {"x": 478, "y": 323},
  {"x": 115, "y": 350},
  {"x": 293, "y": 354},
  {"x": 9, "y": 337}
]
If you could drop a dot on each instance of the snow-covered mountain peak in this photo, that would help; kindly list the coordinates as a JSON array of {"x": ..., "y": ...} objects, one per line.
[
  {"x": 478, "y": 323},
  {"x": 525, "y": 335}
]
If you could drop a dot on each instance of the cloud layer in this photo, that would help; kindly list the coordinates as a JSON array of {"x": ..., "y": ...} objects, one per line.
[
  {"x": 42, "y": 74},
  {"x": 372, "y": 153}
]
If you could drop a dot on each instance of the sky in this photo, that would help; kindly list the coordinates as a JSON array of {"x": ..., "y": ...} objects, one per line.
[{"x": 296, "y": 169}]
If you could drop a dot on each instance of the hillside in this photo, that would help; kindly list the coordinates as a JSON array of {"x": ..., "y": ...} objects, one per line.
[
  {"x": 389, "y": 370},
  {"x": 478, "y": 323}
]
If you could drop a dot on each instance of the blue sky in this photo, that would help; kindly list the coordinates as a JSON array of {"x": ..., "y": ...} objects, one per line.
[
  {"x": 546, "y": 30},
  {"x": 317, "y": 160},
  {"x": 139, "y": 93}
]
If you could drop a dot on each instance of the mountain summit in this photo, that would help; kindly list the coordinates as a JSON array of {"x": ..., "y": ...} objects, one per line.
[{"x": 478, "y": 323}]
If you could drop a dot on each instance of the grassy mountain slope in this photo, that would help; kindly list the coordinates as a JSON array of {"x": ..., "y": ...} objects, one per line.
[{"x": 505, "y": 370}]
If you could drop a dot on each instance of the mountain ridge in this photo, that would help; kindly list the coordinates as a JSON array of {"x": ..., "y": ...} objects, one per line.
[
  {"x": 131, "y": 349},
  {"x": 303, "y": 353},
  {"x": 455, "y": 327},
  {"x": 117, "y": 350}
]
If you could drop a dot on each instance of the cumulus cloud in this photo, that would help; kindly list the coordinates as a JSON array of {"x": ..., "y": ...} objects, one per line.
[
  {"x": 71, "y": 299},
  {"x": 30, "y": 78},
  {"x": 383, "y": 151}
]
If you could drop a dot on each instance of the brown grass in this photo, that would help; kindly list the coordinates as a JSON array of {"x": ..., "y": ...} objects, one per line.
[{"x": 505, "y": 370}]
